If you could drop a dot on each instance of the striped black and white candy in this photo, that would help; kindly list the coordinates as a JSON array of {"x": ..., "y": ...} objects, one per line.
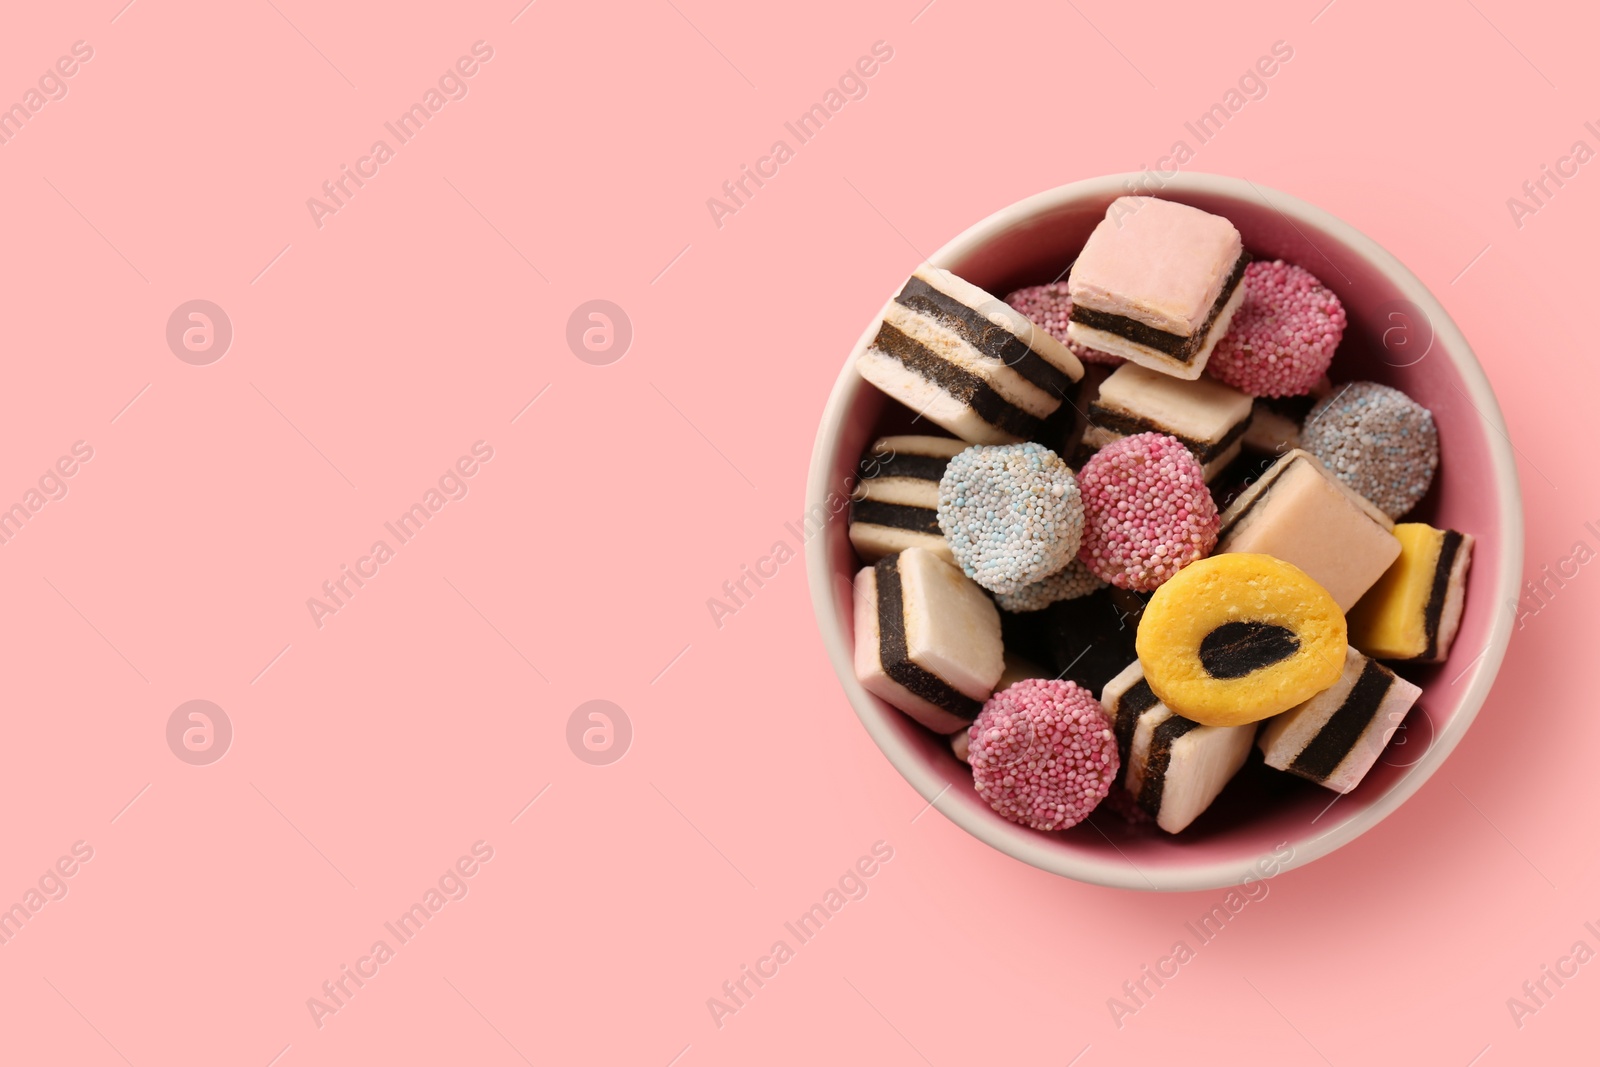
[
  {"x": 896, "y": 504},
  {"x": 968, "y": 361},
  {"x": 927, "y": 639},
  {"x": 1173, "y": 766},
  {"x": 1334, "y": 738}
]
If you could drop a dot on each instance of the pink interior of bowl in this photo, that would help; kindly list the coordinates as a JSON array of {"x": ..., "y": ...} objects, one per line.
[{"x": 1397, "y": 335}]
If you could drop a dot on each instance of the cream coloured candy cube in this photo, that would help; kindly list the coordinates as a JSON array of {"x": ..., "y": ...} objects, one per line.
[
  {"x": 1334, "y": 738},
  {"x": 1158, "y": 283},
  {"x": 1210, "y": 418},
  {"x": 1300, "y": 513},
  {"x": 927, "y": 639}
]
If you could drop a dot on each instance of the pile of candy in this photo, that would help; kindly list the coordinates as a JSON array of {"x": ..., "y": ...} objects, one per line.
[{"x": 1212, "y": 547}]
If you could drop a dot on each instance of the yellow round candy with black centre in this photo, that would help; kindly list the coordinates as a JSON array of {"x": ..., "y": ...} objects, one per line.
[{"x": 1240, "y": 637}]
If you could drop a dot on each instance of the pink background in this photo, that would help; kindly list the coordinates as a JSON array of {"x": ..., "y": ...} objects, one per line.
[{"x": 369, "y": 754}]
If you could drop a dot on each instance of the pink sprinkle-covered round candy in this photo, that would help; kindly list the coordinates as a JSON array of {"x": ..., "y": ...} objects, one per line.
[
  {"x": 1049, "y": 306},
  {"x": 1042, "y": 753},
  {"x": 1147, "y": 513},
  {"x": 1283, "y": 335}
]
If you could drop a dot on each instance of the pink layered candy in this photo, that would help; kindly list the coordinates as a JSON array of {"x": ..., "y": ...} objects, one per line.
[
  {"x": 1157, "y": 283},
  {"x": 1043, "y": 754}
]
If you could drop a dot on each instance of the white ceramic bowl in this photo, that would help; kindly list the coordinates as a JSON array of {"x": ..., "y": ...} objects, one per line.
[{"x": 1398, "y": 334}]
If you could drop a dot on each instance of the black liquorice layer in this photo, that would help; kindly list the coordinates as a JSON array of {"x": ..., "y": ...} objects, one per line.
[
  {"x": 896, "y": 660},
  {"x": 1323, "y": 754},
  {"x": 907, "y": 465},
  {"x": 1237, "y": 649},
  {"x": 990, "y": 338},
  {"x": 962, "y": 384},
  {"x": 1134, "y": 703},
  {"x": 1173, "y": 346},
  {"x": 1128, "y": 424},
  {"x": 898, "y": 516},
  {"x": 1294, "y": 408},
  {"x": 1159, "y": 759},
  {"x": 1440, "y": 590}
]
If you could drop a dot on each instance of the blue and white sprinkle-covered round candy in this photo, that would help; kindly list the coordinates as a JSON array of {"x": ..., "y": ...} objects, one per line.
[
  {"x": 1378, "y": 441},
  {"x": 1011, "y": 514}
]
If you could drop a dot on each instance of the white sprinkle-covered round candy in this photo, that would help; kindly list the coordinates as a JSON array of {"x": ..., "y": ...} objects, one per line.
[
  {"x": 1071, "y": 582},
  {"x": 1378, "y": 441},
  {"x": 1011, "y": 514}
]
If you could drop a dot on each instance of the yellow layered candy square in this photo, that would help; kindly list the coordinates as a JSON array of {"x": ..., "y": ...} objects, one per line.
[{"x": 1413, "y": 611}]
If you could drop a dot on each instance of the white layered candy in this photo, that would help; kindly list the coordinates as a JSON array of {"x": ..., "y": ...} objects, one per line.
[
  {"x": 1300, "y": 513},
  {"x": 927, "y": 639},
  {"x": 1173, "y": 767},
  {"x": 1210, "y": 418},
  {"x": 1334, "y": 738},
  {"x": 968, "y": 361},
  {"x": 896, "y": 504}
]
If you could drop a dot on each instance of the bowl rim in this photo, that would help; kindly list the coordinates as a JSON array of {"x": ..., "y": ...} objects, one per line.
[{"x": 1039, "y": 851}]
